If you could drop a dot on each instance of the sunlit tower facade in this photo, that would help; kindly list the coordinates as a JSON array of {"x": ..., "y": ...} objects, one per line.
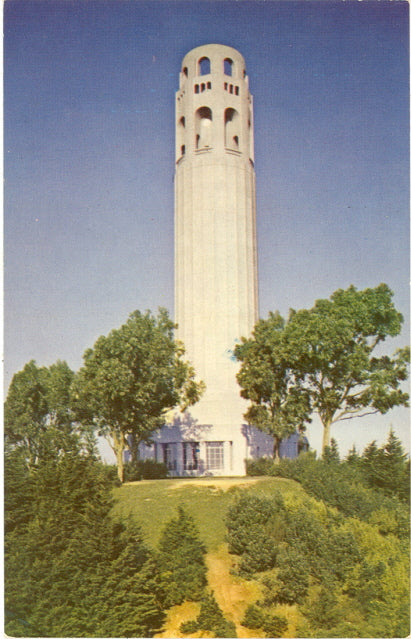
[
  {"x": 216, "y": 288},
  {"x": 216, "y": 291}
]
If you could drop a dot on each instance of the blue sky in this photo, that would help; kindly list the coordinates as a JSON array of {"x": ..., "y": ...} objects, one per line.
[{"x": 89, "y": 161}]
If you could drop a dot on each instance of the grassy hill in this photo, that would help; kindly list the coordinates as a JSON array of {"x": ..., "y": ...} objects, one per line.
[
  {"x": 343, "y": 575},
  {"x": 153, "y": 502}
]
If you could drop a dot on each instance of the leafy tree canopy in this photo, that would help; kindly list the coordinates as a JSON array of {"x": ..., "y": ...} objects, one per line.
[
  {"x": 37, "y": 414},
  {"x": 279, "y": 403},
  {"x": 131, "y": 378},
  {"x": 332, "y": 348},
  {"x": 326, "y": 360}
]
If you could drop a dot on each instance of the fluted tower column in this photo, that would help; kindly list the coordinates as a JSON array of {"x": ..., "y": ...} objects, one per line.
[{"x": 216, "y": 295}]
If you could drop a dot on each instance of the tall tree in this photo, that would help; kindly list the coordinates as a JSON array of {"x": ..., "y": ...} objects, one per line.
[
  {"x": 181, "y": 559},
  {"x": 332, "y": 349},
  {"x": 71, "y": 570},
  {"x": 387, "y": 467},
  {"x": 37, "y": 413},
  {"x": 279, "y": 403},
  {"x": 131, "y": 378}
]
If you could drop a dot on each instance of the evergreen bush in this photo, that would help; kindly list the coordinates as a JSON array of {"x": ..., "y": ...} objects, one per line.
[
  {"x": 275, "y": 626},
  {"x": 341, "y": 572},
  {"x": 189, "y": 627},
  {"x": 210, "y": 619},
  {"x": 357, "y": 487},
  {"x": 293, "y": 576},
  {"x": 255, "y": 528},
  {"x": 254, "y": 617},
  {"x": 181, "y": 558},
  {"x": 71, "y": 570}
]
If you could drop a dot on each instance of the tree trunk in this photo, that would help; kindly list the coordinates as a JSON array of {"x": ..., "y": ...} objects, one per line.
[
  {"x": 326, "y": 434},
  {"x": 133, "y": 445},
  {"x": 276, "y": 449},
  {"x": 118, "y": 446}
]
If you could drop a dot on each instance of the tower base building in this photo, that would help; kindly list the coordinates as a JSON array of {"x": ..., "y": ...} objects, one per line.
[{"x": 216, "y": 288}]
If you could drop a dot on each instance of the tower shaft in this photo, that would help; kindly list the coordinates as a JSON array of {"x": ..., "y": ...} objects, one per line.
[{"x": 216, "y": 294}]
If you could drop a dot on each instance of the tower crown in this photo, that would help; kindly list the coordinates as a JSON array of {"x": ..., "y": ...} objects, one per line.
[
  {"x": 214, "y": 109},
  {"x": 212, "y": 59}
]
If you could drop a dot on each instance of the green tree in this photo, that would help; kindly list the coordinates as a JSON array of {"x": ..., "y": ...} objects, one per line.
[
  {"x": 211, "y": 619},
  {"x": 273, "y": 625},
  {"x": 279, "y": 403},
  {"x": 181, "y": 558},
  {"x": 387, "y": 467},
  {"x": 331, "y": 454},
  {"x": 37, "y": 413},
  {"x": 293, "y": 575},
  {"x": 332, "y": 350},
  {"x": 353, "y": 458},
  {"x": 254, "y": 617},
  {"x": 255, "y": 529},
  {"x": 131, "y": 378},
  {"x": 71, "y": 570}
]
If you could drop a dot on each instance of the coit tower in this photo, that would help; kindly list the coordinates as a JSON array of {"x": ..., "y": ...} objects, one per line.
[{"x": 216, "y": 295}]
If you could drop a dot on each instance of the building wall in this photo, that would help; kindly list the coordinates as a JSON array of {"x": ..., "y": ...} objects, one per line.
[
  {"x": 216, "y": 290},
  {"x": 215, "y": 238}
]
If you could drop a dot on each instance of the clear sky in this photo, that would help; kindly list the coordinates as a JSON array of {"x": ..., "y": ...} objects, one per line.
[{"x": 89, "y": 162}]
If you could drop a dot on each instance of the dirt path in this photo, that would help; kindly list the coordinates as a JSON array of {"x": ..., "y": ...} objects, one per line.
[
  {"x": 222, "y": 483},
  {"x": 232, "y": 593}
]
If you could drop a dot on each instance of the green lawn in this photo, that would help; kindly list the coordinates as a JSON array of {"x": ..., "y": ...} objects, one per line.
[{"x": 153, "y": 502}]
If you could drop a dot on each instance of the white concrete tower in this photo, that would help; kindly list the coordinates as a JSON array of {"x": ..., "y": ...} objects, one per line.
[{"x": 216, "y": 294}]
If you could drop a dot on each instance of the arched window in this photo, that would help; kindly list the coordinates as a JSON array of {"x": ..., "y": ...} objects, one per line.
[
  {"x": 204, "y": 66},
  {"x": 232, "y": 129},
  {"x": 203, "y": 127},
  {"x": 181, "y": 125},
  {"x": 228, "y": 66},
  {"x": 185, "y": 71}
]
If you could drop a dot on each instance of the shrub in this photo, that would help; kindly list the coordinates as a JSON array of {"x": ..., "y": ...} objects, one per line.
[
  {"x": 211, "y": 618},
  {"x": 254, "y": 617},
  {"x": 188, "y": 627},
  {"x": 110, "y": 472},
  {"x": 344, "y": 485},
  {"x": 255, "y": 527},
  {"x": 293, "y": 576},
  {"x": 71, "y": 569},
  {"x": 132, "y": 471},
  {"x": 275, "y": 626},
  {"x": 225, "y": 629},
  {"x": 151, "y": 469},
  {"x": 261, "y": 466},
  {"x": 144, "y": 469}
]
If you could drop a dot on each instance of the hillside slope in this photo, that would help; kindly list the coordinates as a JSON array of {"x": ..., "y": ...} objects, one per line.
[{"x": 152, "y": 502}]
